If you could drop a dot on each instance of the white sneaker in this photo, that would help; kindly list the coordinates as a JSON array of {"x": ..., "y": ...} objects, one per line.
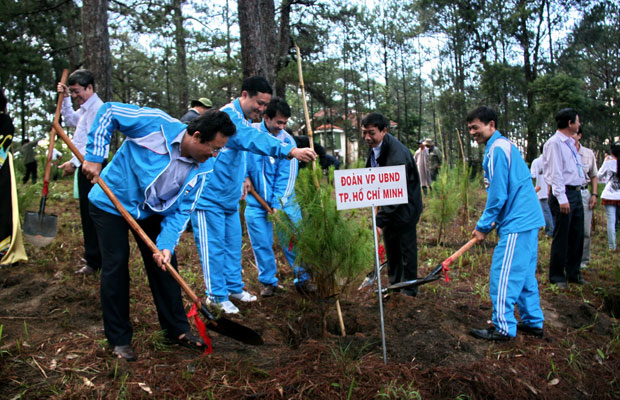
[
  {"x": 243, "y": 296},
  {"x": 228, "y": 307}
]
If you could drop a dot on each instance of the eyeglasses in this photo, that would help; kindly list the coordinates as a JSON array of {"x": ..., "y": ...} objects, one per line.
[{"x": 76, "y": 90}]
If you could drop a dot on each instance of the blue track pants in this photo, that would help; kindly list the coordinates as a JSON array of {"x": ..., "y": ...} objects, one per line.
[
  {"x": 260, "y": 231},
  {"x": 218, "y": 237},
  {"x": 513, "y": 281}
]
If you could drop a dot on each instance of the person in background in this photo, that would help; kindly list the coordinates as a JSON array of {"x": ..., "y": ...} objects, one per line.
[
  {"x": 542, "y": 191},
  {"x": 421, "y": 159},
  {"x": 610, "y": 197},
  {"x": 197, "y": 107},
  {"x": 30, "y": 159},
  {"x": 81, "y": 88},
  {"x": 434, "y": 158},
  {"x": 588, "y": 196},
  {"x": 11, "y": 245},
  {"x": 562, "y": 166},
  {"x": 511, "y": 209}
]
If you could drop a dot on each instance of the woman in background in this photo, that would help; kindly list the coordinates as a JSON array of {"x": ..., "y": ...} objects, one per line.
[
  {"x": 11, "y": 245},
  {"x": 610, "y": 198}
]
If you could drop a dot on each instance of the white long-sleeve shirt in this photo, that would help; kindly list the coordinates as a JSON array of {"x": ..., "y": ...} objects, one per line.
[
  {"x": 562, "y": 165},
  {"x": 608, "y": 172},
  {"x": 538, "y": 173},
  {"x": 81, "y": 119}
]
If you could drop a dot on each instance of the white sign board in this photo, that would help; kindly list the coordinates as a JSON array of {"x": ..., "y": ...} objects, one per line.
[{"x": 369, "y": 187}]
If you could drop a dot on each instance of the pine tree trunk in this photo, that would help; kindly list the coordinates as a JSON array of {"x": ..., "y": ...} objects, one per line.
[
  {"x": 179, "y": 42},
  {"x": 255, "y": 37},
  {"x": 97, "y": 45}
]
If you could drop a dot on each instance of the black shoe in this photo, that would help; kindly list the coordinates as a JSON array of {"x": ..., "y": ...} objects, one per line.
[
  {"x": 530, "y": 330},
  {"x": 125, "y": 352},
  {"x": 560, "y": 285},
  {"x": 578, "y": 281},
  {"x": 489, "y": 334},
  {"x": 85, "y": 270},
  {"x": 270, "y": 290},
  {"x": 306, "y": 288}
]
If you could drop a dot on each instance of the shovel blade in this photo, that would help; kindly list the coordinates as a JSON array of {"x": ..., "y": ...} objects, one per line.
[
  {"x": 413, "y": 283},
  {"x": 40, "y": 229},
  {"x": 231, "y": 329}
]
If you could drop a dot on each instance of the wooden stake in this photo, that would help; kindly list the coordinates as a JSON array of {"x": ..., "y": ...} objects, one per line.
[
  {"x": 303, "y": 97},
  {"x": 342, "y": 331}
]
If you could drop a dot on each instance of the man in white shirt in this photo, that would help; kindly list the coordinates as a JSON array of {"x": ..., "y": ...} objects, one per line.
[
  {"x": 562, "y": 166},
  {"x": 81, "y": 88},
  {"x": 542, "y": 191},
  {"x": 588, "y": 197}
]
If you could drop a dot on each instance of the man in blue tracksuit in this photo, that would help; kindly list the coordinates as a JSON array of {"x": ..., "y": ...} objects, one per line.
[
  {"x": 273, "y": 180},
  {"x": 512, "y": 207},
  {"x": 216, "y": 224},
  {"x": 157, "y": 175}
]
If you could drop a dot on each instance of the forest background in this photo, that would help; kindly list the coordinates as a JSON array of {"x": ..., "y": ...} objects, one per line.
[{"x": 423, "y": 63}]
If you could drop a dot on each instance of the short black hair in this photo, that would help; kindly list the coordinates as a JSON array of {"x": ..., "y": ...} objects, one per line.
[
  {"x": 565, "y": 116},
  {"x": 82, "y": 77},
  {"x": 376, "y": 119},
  {"x": 484, "y": 114},
  {"x": 210, "y": 123},
  {"x": 278, "y": 105},
  {"x": 256, "y": 84}
]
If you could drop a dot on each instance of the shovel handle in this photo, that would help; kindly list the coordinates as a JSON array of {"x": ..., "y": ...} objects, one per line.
[
  {"x": 260, "y": 199},
  {"x": 50, "y": 148},
  {"x": 459, "y": 252},
  {"x": 131, "y": 221}
]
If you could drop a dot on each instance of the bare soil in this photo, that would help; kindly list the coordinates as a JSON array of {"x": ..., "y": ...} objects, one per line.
[{"x": 52, "y": 343}]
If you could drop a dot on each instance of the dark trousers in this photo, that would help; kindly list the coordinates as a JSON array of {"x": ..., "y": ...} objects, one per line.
[
  {"x": 567, "y": 244},
  {"x": 401, "y": 249},
  {"x": 92, "y": 254},
  {"x": 31, "y": 170},
  {"x": 114, "y": 244}
]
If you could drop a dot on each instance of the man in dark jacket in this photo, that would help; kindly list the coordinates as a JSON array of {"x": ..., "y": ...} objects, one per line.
[{"x": 397, "y": 223}]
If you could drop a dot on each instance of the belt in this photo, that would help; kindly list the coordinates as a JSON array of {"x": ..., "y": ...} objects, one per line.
[{"x": 571, "y": 187}]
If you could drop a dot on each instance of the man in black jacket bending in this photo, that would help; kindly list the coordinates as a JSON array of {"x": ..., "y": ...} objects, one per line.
[{"x": 397, "y": 223}]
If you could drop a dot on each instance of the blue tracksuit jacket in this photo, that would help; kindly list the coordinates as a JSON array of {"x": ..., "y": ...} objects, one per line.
[
  {"x": 143, "y": 157},
  {"x": 512, "y": 202},
  {"x": 224, "y": 185}
]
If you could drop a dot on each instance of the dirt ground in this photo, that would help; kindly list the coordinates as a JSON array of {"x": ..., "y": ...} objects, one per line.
[{"x": 52, "y": 343}]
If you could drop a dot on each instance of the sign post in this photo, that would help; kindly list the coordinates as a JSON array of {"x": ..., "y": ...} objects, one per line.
[{"x": 372, "y": 187}]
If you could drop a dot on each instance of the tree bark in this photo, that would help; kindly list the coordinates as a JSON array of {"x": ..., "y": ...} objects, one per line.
[
  {"x": 179, "y": 41},
  {"x": 97, "y": 45},
  {"x": 256, "y": 36},
  {"x": 284, "y": 44}
]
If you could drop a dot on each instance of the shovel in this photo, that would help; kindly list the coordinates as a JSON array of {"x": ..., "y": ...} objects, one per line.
[
  {"x": 39, "y": 228},
  {"x": 434, "y": 274},
  {"x": 218, "y": 324},
  {"x": 371, "y": 277}
]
